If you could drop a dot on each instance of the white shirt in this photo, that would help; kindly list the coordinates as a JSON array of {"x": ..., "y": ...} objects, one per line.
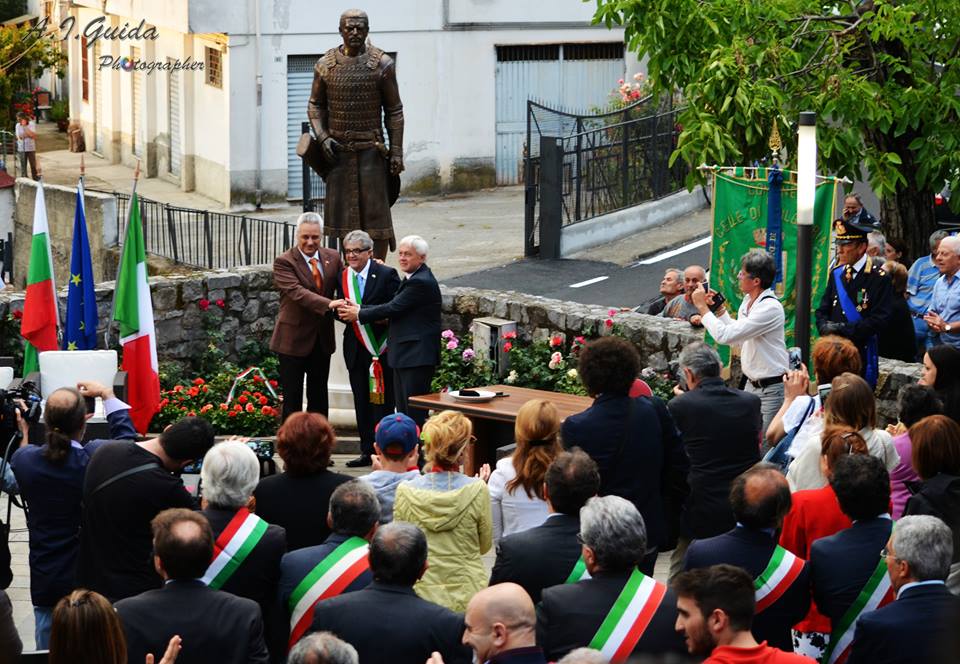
[
  {"x": 859, "y": 266},
  {"x": 759, "y": 332},
  {"x": 804, "y": 472},
  {"x": 310, "y": 258},
  {"x": 512, "y": 511}
]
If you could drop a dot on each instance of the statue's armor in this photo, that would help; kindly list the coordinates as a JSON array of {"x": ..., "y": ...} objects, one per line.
[{"x": 353, "y": 94}]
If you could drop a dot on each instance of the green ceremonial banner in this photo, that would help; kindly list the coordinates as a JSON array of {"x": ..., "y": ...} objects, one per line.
[{"x": 740, "y": 223}]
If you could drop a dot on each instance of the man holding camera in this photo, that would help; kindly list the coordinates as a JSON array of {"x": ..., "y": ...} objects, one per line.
[{"x": 758, "y": 330}]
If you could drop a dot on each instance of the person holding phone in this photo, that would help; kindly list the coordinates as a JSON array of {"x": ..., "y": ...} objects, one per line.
[{"x": 758, "y": 329}]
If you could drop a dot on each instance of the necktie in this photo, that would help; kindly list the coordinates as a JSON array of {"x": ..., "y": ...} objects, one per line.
[
  {"x": 360, "y": 282},
  {"x": 317, "y": 278},
  {"x": 848, "y": 273}
]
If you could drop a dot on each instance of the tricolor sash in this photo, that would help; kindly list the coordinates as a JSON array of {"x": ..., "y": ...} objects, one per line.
[
  {"x": 782, "y": 570},
  {"x": 366, "y": 335},
  {"x": 876, "y": 593},
  {"x": 233, "y": 546},
  {"x": 871, "y": 372},
  {"x": 579, "y": 572},
  {"x": 628, "y": 619},
  {"x": 328, "y": 579}
]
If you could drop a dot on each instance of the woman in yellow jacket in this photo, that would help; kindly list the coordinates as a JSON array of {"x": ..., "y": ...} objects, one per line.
[{"x": 454, "y": 512}]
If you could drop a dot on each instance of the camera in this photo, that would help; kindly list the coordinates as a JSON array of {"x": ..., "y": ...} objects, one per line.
[
  {"x": 9, "y": 406},
  {"x": 795, "y": 358},
  {"x": 718, "y": 298},
  {"x": 262, "y": 448}
]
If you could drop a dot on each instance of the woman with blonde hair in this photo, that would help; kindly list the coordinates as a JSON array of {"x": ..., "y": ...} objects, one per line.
[
  {"x": 516, "y": 486},
  {"x": 850, "y": 404},
  {"x": 453, "y": 510},
  {"x": 85, "y": 629}
]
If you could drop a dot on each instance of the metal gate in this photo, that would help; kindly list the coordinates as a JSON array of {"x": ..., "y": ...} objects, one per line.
[
  {"x": 97, "y": 101},
  {"x": 135, "y": 124},
  {"x": 299, "y": 80},
  {"x": 173, "y": 118},
  {"x": 568, "y": 76}
]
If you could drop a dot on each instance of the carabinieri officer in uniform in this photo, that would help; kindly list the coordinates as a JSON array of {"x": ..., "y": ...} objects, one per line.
[{"x": 858, "y": 299}]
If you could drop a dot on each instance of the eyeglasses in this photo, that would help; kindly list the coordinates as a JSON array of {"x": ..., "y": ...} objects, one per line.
[
  {"x": 355, "y": 252},
  {"x": 885, "y": 552}
]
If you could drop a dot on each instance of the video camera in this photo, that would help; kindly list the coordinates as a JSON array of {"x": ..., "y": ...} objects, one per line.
[{"x": 9, "y": 406}]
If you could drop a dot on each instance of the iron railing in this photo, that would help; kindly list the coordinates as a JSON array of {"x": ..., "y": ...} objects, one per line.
[
  {"x": 205, "y": 238},
  {"x": 601, "y": 164}
]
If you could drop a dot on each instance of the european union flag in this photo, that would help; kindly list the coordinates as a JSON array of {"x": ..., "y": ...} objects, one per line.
[{"x": 80, "y": 332}]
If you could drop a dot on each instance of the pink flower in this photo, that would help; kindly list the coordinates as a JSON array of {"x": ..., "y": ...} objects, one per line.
[
  {"x": 611, "y": 312},
  {"x": 468, "y": 355},
  {"x": 220, "y": 303},
  {"x": 204, "y": 304},
  {"x": 452, "y": 344},
  {"x": 620, "y": 82},
  {"x": 608, "y": 322},
  {"x": 510, "y": 335},
  {"x": 579, "y": 340},
  {"x": 638, "y": 76},
  {"x": 507, "y": 346},
  {"x": 555, "y": 360},
  {"x": 447, "y": 334}
]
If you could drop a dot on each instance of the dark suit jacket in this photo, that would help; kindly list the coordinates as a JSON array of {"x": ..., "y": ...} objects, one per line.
[
  {"x": 381, "y": 285},
  {"x": 215, "y": 626},
  {"x": 871, "y": 283},
  {"x": 751, "y": 550},
  {"x": 539, "y": 557},
  {"x": 298, "y": 504},
  {"x": 911, "y": 630},
  {"x": 304, "y": 317},
  {"x": 569, "y": 616},
  {"x": 257, "y": 576},
  {"x": 720, "y": 427},
  {"x": 414, "y": 315},
  {"x": 651, "y": 448},
  {"x": 390, "y": 624},
  {"x": 841, "y": 565}
]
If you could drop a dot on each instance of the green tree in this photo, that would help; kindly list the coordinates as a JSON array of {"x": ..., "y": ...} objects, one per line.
[
  {"x": 24, "y": 54},
  {"x": 881, "y": 75}
]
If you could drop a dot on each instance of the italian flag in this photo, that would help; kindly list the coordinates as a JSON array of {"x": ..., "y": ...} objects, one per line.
[
  {"x": 39, "y": 324},
  {"x": 133, "y": 310}
]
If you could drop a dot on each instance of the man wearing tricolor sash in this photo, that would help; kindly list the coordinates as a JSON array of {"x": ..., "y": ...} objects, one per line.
[
  {"x": 246, "y": 550},
  {"x": 760, "y": 498},
  {"x": 618, "y": 610},
  {"x": 920, "y": 625},
  {"x": 715, "y": 607},
  {"x": 339, "y": 565},
  {"x": 367, "y": 282},
  {"x": 847, "y": 573}
]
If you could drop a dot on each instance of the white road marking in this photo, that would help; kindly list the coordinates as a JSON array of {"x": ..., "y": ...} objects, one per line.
[
  {"x": 673, "y": 252},
  {"x": 581, "y": 284}
]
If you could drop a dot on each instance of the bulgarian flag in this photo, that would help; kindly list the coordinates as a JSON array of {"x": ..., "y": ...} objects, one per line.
[
  {"x": 133, "y": 310},
  {"x": 39, "y": 323}
]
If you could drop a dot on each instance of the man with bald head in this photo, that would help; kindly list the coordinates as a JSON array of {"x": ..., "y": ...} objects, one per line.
[
  {"x": 682, "y": 306},
  {"x": 760, "y": 498},
  {"x": 215, "y": 626},
  {"x": 501, "y": 626}
]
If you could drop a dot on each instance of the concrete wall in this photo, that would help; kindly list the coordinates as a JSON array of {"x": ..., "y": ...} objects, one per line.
[
  {"x": 101, "y": 215},
  {"x": 624, "y": 223}
]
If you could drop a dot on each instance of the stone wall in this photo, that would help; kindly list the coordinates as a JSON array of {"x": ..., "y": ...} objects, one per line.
[
  {"x": 101, "y": 215},
  {"x": 251, "y": 303}
]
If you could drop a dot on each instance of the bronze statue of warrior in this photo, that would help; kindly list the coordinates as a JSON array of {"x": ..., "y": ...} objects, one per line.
[{"x": 351, "y": 84}]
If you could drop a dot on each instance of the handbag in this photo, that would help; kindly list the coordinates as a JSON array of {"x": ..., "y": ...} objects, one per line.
[{"x": 778, "y": 455}]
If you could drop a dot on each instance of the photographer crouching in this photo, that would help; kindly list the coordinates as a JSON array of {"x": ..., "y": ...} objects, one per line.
[
  {"x": 758, "y": 329},
  {"x": 50, "y": 478}
]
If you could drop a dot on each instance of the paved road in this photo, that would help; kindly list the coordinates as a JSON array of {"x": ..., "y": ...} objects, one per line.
[{"x": 588, "y": 281}]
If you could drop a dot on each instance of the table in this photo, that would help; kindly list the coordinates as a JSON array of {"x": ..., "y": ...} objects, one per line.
[{"x": 494, "y": 420}]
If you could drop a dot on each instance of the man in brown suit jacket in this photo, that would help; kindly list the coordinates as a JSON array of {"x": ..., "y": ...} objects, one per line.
[{"x": 306, "y": 277}]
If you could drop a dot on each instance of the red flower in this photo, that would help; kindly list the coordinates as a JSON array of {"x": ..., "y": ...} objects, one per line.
[
  {"x": 273, "y": 383},
  {"x": 220, "y": 303},
  {"x": 510, "y": 335},
  {"x": 507, "y": 346},
  {"x": 243, "y": 398},
  {"x": 192, "y": 413},
  {"x": 224, "y": 406},
  {"x": 232, "y": 413},
  {"x": 193, "y": 391},
  {"x": 164, "y": 402},
  {"x": 237, "y": 407},
  {"x": 250, "y": 408},
  {"x": 608, "y": 322},
  {"x": 204, "y": 304},
  {"x": 267, "y": 410},
  {"x": 204, "y": 389},
  {"x": 257, "y": 378},
  {"x": 206, "y": 407},
  {"x": 263, "y": 401},
  {"x": 198, "y": 381},
  {"x": 258, "y": 394},
  {"x": 178, "y": 388},
  {"x": 555, "y": 341},
  {"x": 17, "y": 313}
]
